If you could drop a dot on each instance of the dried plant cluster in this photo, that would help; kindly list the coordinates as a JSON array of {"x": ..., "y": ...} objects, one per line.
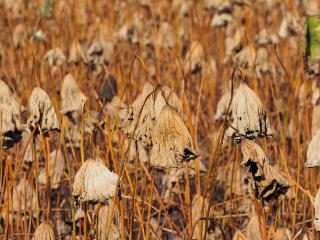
[{"x": 171, "y": 119}]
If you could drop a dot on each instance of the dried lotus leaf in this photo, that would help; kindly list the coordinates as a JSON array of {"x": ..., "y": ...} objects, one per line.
[
  {"x": 253, "y": 229},
  {"x": 20, "y": 36},
  {"x": 28, "y": 145},
  {"x": 44, "y": 232},
  {"x": 72, "y": 99},
  {"x": 42, "y": 112},
  {"x": 172, "y": 143},
  {"x": 196, "y": 209},
  {"x": 238, "y": 235},
  {"x": 317, "y": 211},
  {"x": 109, "y": 89},
  {"x": 56, "y": 167},
  {"x": 222, "y": 106},
  {"x": 77, "y": 53},
  {"x": 249, "y": 116},
  {"x": 94, "y": 182},
  {"x": 195, "y": 57},
  {"x": 7, "y": 98},
  {"x": 55, "y": 57},
  {"x": 116, "y": 106},
  {"x": 283, "y": 234},
  {"x": 313, "y": 152},
  {"x": 268, "y": 184},
  {"x": 316, "y": 118}
]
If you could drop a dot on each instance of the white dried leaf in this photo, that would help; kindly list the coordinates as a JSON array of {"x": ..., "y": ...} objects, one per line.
[
  {"x": 42, "y": 112},
  {"x": 55, "y": 57},
  {"x": 44, "y": 232},
  {"x": 246, "y": 57},
  {"x": 172, "y": 143},
  {"x": 27, "y": 143},
  {"x": 249, "y": 115},
  {"x": 77, "y": 53},
  {"x": 253, "y": 229},
  {"x": 7, "y": 98},
  {"x": 56, "y": 167},
  {"x": 282, "y": 234},
  {"x": 94, "y": 182},
  {"x": 289, "y": 26},
  {"x": 72, "y": 98},
  {"x": 313, "y": 152},
  {"x": 268, "y": 184}
]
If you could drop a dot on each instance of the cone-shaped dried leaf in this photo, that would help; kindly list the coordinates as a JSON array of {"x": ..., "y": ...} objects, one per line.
[
  {"x": 249, "y": 115},
  {"x": 94, "y": 182},
  {"x": 42, "y": 112},
  {"x": 172, "y": 143},
  {"x": 19, "y": 36},
  {"x": 268, "y": 184},
  {"x": 194, "y": 57},
  {"x": 283, "y": 234},
  {"x": 55, "y": 57},
  {"x": 313, "y": 152},
  {"x": 44, "y": 232},
  {"x": 56, "y": 167},
  {"x": 317, "y": 211},
  {"x": 7, "y": 98},
  {"x": 77, "y": 53},
  {"x": 72, "y": 99}
]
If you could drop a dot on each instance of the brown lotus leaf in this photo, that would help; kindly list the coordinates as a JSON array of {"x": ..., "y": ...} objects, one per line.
[
  {"x": 55, "y": 57},
  {"x": 44, "y": 232},
  {"x": 77, "y": 53},
  {"x": 72, "y": 99},
  {"x": 94, "y": 182},
  {"x": 165, "y": 36},
  {"x": 172, "y": 143},
  {"x": 249, "y": 116},
  {"x": 42, "y": 113},
  {"x": 267, "y": 183},
  {"x": 56, "y": 167}
]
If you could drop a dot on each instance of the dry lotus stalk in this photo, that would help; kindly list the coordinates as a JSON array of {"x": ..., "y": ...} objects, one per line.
[
  {"x": 172, "y": 143},
  {"x": 313, "y": 152},
  {"x": 56, "y": 167},
  {"x": 72, "y": 99},
  {"x": 103, "y": 216},
  {"x": 55, "y": 57},
  {"x": 282, "y": 234},
  {"x": 77, "y": 53},
  {"x": 94, "y": 182},
  {"x": 253, "y": 229},
  {"x": 44, "y": 232},
  {"x": 317, "y": 211},
  {"x": 267, "y": 183},
  {"x": 249, "y": 116},
  {"x": 42, "y": 113}
]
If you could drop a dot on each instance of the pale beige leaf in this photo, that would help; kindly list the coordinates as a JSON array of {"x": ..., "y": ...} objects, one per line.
[
  {"x": 313, "y": 152},
  {"x": 55, "y": 57},
  {"x": 44, "y": 232}
]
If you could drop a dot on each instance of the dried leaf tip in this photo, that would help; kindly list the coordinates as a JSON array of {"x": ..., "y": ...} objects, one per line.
[
  {"x": 42, "y": 112},
  {"x": 72, "y": 98},
  {"x": 172, "y": 143},
  {"x": 55, "y": 57},
  {"x": 44, "y": 232},
  {"x": 94, "y": 182},
  {"x": 249, "y": 116},
  {"x": 313, "y": 152},
  {"x": 265, "y": 181}
]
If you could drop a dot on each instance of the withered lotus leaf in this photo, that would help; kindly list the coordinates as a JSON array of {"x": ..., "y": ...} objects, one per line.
[
  {"x": 44, "y": 232},
  {"x": 317, "y": 211},
  {"x": 267, "y": 183},
  {"x": 42, "y": 113},
  {"x": 313, "y": 152},
  {"x": 72, "y": 98},
  {"x": 55, "y": 57},
  {"x": 172, "y": 143},
  {"x": 94, "y": 182}
]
